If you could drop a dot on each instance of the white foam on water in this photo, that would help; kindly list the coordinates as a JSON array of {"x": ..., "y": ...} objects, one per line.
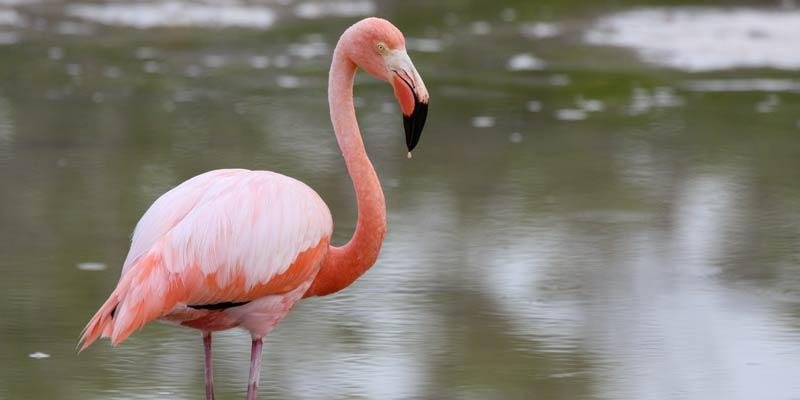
[
  {"x": 483, "y": 121},
  {"x": 571, "y": 114},
  {"x": 540, "y": 30},
  {"x": 704, "y": 38},
  {"x": 174, "y": 14},
  {"x": 288, "y": 81},
  {"x": 10, "y": 17},
  {"x": 322, "y": 9},
  {"x": 590, "y": 105},
  {"x": 524, "y": 62}
]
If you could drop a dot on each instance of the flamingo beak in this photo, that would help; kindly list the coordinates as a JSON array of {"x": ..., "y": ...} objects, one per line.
[{"x": 411, "y": 94}]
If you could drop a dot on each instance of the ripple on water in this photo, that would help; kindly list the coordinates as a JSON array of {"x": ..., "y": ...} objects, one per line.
[
  {"x": 174, "y": 14},
  {"x": 644, "y": 100},
  {"x": 705, "y": 38},
  {"x": 311, "y": 49}
]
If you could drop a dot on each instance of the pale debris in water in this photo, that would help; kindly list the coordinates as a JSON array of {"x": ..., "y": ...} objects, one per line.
[
  {"x": 288, "y": 81},
  {"x": 39, "y": 355},
  {"x": 570, "y": 114},
  {"x": 534, "y": 106},
  {"x": 769, "y": 104},
  {"x": 55, "y": 53},
  {"x": 590, "y": 105},
  {"x": 480, "y": 28},
  {"x": 540, "y": 30},
  {"x": 525, "y": 62},
  {"x": 483, "y": 121},
  {"x": 409, "y": 155},
  {"x": 259, "y": 62},
  {"x": 91, "y": 266}
]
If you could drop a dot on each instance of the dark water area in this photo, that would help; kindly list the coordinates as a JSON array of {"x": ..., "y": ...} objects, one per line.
[{"x": 605, "y": 203}]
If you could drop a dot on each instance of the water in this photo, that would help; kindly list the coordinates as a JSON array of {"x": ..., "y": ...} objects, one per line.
[{"x": 579, "y": 221}]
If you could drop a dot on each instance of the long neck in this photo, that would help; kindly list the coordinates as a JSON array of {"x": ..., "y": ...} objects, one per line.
[{"x": 343, "y": 265}]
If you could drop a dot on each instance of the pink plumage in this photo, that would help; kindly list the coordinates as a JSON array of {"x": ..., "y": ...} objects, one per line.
[{"x": 238, "y": 248}]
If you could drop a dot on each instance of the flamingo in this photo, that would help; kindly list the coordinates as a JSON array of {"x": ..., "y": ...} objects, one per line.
[{"x": 238, "y": 248}]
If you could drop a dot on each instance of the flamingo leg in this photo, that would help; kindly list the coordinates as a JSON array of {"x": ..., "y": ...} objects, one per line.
[
  {"x": 209, "y": 368},
  {"x": 255, "y": 369}
]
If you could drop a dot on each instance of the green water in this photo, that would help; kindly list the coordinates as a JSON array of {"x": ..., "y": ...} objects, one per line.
[{"x": 643, "y": 247}]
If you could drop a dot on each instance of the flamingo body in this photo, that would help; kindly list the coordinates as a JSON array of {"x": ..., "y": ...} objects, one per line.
[
  {"x": 226, "y": 236},
  {"x": 237, "y": 248}
]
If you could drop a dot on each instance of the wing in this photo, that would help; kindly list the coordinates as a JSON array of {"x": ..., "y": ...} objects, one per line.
[{"x": 224, "y": 236}]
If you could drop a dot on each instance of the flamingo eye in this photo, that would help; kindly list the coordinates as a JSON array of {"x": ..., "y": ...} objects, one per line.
[{"x": 381, "y": 48}]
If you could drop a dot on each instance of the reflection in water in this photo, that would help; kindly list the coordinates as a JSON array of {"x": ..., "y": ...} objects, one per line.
[
  {"x": 174, "y": 13},
  {"x": 703, "y": 39}
]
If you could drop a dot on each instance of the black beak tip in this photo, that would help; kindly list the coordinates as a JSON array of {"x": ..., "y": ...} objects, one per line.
[{"x": 414, "y": 123}]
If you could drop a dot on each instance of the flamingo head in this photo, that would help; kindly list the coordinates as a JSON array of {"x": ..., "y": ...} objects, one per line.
[{"x": 379, "y": 48}]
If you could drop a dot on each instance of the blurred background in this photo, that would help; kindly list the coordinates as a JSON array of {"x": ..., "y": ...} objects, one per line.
[{"x": 605, "y": 203}]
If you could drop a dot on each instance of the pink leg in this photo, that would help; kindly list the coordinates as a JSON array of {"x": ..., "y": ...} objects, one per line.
[
  {"x": 209, "y": 369},
  {"x": 255, "y": 370}
]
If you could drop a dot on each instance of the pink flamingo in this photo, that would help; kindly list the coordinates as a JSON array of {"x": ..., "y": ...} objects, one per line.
[{"x": 238, "y": 248}]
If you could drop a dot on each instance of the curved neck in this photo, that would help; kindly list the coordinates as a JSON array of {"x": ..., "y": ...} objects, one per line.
[{"x": 343, "y": 265}]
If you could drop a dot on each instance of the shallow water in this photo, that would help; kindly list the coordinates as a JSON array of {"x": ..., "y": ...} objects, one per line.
[{"x": 580, "y": 221}]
